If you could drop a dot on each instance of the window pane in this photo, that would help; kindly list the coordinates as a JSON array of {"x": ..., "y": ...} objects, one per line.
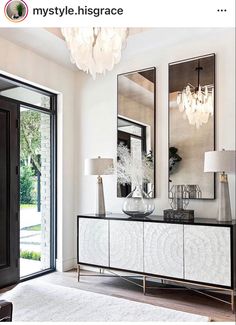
[
  {"x": 26, "y": 95},
  {"x": 129, "y": 127},
  {"x": 35, "y": 208},
  {"x": 136, "y": 153},
  {"x": 132, "y": 129}
]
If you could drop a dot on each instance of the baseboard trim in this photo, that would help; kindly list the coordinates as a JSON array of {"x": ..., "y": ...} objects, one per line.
[{"x": 65, "y": 265}]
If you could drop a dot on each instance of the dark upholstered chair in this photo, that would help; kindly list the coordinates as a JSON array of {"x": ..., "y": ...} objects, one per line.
[{"x": 5, "y": 311}]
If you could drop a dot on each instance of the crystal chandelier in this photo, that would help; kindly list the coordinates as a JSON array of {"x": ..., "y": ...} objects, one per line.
[
  {"x": 197, "y": 103},
  {"x": 95, "y": 50}
]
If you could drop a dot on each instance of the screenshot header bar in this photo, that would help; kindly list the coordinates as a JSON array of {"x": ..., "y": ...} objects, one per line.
[{"x": 117, "y": 13}]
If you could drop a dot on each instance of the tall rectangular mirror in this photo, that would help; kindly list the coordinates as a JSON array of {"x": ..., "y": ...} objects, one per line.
[
  {"x": 192, "y": 124},
  {"x": 136, "y": 105}
]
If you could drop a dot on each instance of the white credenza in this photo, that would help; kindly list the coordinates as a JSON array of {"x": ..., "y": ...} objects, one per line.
[{"x": 200, "y": 252}]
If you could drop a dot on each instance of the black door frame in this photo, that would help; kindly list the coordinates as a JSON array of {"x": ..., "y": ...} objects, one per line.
[
  {"x": 53, "y": 147},
  {"x": 10, "y": 271}
]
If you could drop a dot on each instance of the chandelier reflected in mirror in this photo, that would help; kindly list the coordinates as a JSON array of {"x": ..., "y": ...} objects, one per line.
[
  {"x": 197, "y": 103},
  {"x": 95, "y": 50}
]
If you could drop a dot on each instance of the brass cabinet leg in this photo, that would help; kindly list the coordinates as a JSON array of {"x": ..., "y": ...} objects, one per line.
[
  {"x": 232, "y": 302},
  {"x": 144, "y": 284},
  {"x": 78, "y": 272}
]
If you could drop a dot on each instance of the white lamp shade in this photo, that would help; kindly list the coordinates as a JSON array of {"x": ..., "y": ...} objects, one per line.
[
  {"x": 220, "y": 161},
  {"x": 99, "y": 166}
]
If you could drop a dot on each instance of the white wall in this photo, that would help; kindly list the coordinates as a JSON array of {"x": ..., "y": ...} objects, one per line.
[
  {"x": 96, "y": 109},
  {"x": 23, "y": 63}
]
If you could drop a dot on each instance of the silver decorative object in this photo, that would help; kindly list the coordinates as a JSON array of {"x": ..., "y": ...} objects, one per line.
[
  {"x": 179, "y": 197},
  {"x": 179, "y": 200}
]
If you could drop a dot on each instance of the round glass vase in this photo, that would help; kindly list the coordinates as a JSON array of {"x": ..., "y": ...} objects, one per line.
[{"x": 138, "y": 204}]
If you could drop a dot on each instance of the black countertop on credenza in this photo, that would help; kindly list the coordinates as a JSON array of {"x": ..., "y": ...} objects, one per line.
[{"x": 160, "y": 219}]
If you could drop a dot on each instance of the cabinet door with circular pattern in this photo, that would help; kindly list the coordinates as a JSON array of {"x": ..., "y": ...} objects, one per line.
[
  {"x": 207, "y": 254},
  {"x": 93, "y": 242},
  {"x": 126, "y": 245},
  {"x": 163, "y": 249}
]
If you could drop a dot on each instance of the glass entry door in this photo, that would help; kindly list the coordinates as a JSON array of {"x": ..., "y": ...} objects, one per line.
[
  {"x": 35, "y": 191},
  {"x": 27, "y": 180}
]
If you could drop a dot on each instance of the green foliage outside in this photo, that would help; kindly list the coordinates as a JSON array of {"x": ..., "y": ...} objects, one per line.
[
  {"x": 30, "y": 152},
  {"x": 33, "y": 228},
  {"x": 27, "y": 185},
  {"x": 30, "y": 140},
  {"x": 29, "y": 255},
  {"x": 28, "y": 206}
]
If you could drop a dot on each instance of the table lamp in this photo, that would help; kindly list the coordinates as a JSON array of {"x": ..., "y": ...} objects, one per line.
[
  {"x": 99, "y": 166},
  {"x": 221, "y": 162}
]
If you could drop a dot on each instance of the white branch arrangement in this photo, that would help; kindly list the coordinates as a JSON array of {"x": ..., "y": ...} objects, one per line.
[{"x": 133, "y": 170}]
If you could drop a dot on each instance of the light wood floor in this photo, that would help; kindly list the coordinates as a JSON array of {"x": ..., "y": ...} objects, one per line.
[{"x": 178, "y": 299}]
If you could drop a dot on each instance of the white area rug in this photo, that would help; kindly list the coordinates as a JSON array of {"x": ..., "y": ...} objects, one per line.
[{"x": 41, "y": 301}]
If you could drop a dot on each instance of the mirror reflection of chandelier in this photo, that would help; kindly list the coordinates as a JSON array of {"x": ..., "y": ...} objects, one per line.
[
  {"x": 95, "y": 49},
  {"x": 197, "y": 103}
]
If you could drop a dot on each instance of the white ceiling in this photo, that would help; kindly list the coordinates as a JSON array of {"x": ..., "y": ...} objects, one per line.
[
  {"x": 50, "y": 44},
  {"x": 47, "y": 42},
  {"x": 40, "y": 41}
]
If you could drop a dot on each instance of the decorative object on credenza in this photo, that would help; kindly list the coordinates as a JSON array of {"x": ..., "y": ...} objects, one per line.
[
  {"x": 138, "y": 204},
  {"x": 99, "y": 166},
  {"x": 179, "y": 200},
  {"x": 138, "y": 172},
  {"x": 179, "y": 197},
  {"x": 221, "y": 162}
]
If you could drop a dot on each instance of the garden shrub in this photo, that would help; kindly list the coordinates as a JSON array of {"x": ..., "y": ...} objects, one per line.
[{"x": 30, "y": 255}]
